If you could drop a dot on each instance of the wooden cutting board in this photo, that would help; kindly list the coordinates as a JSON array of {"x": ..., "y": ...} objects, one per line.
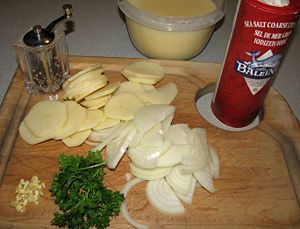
[{"x": 257, "y": 188}]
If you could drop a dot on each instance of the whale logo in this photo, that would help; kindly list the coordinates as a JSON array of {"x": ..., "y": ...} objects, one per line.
[{"x": 259, "y": 70}]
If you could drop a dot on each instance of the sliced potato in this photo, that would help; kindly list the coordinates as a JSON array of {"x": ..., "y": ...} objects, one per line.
[
  {"x": 97, "y": 85},
  {"x": 85, "y": 84},
  {"x": 108, "y": 89},
  {"x": 69, "y": 93},
  {"x": 77, "y": 139},
  {"x": 169, "y": 92},
  {"x": 93, "y": 74},
  {"x": 162, "y": 95},
  {"x": 96, "y": 103},
  {"x": 80, "y": 91},
  {"x": 76, "y": 116},
  {"x": 123, "y": 106},
  {"x": 79, "y": 74},
  {"x": 130, "y": 87},
  {"x": 29, "y": 137},
  {"x": 143, "y": 80},
  {"x": 46, "y": 117},
  {"x": 93, "y": 118},
  {"x": 147, "y": 87},
  {"x": 135, "y": 88},
  {"x": 144, "y": 72},
  {"x": 106, "y": 123},
  {"x": 96, "y": 107}
]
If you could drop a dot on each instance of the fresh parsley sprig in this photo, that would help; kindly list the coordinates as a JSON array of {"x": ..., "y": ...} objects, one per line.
[{"x": 80, "y": 194}]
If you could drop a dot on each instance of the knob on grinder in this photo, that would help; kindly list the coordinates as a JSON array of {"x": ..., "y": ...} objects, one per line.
[{"x": 43, "y": 36}]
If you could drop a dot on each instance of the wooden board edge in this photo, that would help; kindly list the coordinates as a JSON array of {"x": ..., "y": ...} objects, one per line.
[
  {"x": 12, "y": 111},
  {"x": 289, "y": 153}
]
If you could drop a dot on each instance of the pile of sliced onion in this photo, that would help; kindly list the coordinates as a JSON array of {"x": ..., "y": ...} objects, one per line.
[{"x": 173, "y": 158}]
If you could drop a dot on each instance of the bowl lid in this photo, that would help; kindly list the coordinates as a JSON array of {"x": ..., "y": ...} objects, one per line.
[{"x": 172, "y": 23}]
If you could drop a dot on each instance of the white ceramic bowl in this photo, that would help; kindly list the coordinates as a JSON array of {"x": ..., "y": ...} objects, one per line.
[{"x": 169, "y": 37}]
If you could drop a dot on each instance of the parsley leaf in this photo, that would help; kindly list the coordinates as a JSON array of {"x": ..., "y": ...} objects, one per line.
[{"x": 80, "y": 194}]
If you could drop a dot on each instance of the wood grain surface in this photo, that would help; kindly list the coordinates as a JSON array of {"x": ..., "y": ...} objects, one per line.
[{"x": 259, "y": 181}]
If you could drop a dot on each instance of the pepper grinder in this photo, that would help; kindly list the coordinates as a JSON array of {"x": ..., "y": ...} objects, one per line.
[{"x": 43, "y": 57}]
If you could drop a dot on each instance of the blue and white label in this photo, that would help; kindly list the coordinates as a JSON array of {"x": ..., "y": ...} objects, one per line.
[{"x": 259, "y": 70}]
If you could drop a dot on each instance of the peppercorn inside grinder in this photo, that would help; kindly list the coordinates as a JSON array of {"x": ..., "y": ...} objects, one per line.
[{"x": 43, "y": 57}]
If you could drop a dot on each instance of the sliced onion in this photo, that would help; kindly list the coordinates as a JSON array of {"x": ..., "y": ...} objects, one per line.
[
  {"x": 124, "y": 128},
  {"x": 149, "y": 174},
  {"x": 163, "y": 198},
  {"x": 173, "y": 155},
  {"x": 188, "y": 197},
  {"x": 215, "y": 162},
  {"x": 183, "y": 184},
  {"x": 167, "y": 123},
  {"x": 205, "y": 179},
  {"x": 101, "y": 135},
  {"x": 91, "y": 143},
  {"x": 147, "y": 157},
  {"x": 124, "y": 210},
  {"x": 150, "y": 115},
  {"x": 116, "y": 149},
  {"x": 178, "y": 134},
  {"x": 199, "y": 157},
  {"x": 154, "y": 137}
]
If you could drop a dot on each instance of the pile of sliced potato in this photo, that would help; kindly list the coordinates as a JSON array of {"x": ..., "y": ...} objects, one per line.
[
  {"x": 92, "y": 103},
  {"x": 66, "y": 121},
  {"x": 84, "y": 83},
  {"x": 139, "y": 90}
]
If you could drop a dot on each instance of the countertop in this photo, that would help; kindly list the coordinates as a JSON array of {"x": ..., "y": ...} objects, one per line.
[{"x": 98, "y": 29}]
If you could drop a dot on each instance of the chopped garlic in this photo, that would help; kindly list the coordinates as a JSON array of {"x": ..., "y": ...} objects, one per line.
[{"x": 28, "y": 192}]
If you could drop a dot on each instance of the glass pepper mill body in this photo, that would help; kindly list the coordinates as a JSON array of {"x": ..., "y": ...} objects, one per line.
[{"x": 43, "y": 58}]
